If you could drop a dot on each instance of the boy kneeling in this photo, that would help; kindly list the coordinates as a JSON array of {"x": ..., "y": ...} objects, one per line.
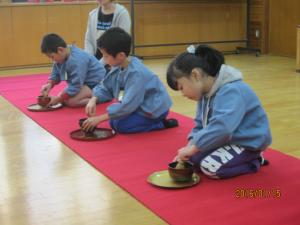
[
  {"x": 143, "y": 102},
  {"x": 80, "y": 70}
]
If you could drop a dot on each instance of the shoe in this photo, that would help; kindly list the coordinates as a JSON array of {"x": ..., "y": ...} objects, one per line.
[
  {"x": 263, "y": 161},
  {"x": 170, "y": 123}
]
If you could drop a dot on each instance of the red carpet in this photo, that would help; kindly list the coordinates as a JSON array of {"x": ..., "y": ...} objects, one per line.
[{"x": 129, "y": 159}]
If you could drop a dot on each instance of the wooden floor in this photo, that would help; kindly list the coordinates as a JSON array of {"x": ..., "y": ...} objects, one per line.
[{"x": 42, "y": 182}]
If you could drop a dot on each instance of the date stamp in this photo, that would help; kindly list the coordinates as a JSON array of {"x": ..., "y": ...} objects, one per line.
[{"x": 256, "y": 193}]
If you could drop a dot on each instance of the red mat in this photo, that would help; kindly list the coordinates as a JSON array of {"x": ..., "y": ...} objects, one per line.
[{"x": 272, "y": 193}]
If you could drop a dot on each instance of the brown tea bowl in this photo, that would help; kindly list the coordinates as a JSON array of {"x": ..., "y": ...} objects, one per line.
[
  {"x": 43, "y": 100},
  {"x": 181, "y": 175},
  {"x": 89, "y": 133}
]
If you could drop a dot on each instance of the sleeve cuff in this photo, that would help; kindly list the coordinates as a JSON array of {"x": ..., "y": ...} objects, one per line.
[
  {"x": 52, "y": 82},
  {"x": 64, "y": 96},
  {"x": 190, "y": 138}
]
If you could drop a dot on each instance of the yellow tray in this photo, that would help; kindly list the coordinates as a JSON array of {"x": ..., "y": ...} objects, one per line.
[{"x": 162, "y": 179}]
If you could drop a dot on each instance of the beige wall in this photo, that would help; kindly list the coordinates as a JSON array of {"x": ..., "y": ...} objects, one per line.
[
  {"x": 284, "y": 18},
  {"x": 22, "y": 28},
  {"x": 156, "y": 22},
  {"x": 191, "y": 21}
]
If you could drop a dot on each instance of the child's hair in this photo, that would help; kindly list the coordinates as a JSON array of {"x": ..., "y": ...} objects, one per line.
[
  {"x": 114, "y": 41},
  {"x": 51, "y": 42},
  {"x": 208, "y": 59}
]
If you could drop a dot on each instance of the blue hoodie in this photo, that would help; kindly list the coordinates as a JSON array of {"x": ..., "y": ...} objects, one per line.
[
  {"x": 143, "y": 92},
  {"x": 79, "y": 69},
  {"x": 230, "y": 113}
]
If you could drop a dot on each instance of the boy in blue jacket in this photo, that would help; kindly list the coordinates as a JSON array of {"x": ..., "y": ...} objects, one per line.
[
  {"x": 81, "y": 71},
  {"x": 232, "y": 129},
  {"x": 142, "y": 100}
]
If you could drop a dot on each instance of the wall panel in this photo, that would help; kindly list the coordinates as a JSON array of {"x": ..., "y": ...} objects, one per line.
[
  {"x": 29, "y": 24},
  {"x": 284, "y": 18},
  {"x": 6, "y": 43},
  {"x": 156, "y": 22},
  {"x": 165, "y": 23},
  {"x": 65, "y": 21}
]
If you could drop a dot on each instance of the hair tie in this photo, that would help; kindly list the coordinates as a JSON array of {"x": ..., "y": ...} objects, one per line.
[{"x": 191, "y": 49}]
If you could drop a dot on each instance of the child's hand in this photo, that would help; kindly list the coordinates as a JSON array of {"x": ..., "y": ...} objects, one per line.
[
  {"x": 90, "y": 123},
  {"x": 46, "y": 89},
  {"x": 54, "y": 100},
  {"x": 90, "y": 108},
  {"x": 185, "y": 153},
  {"x": 176, "y": 158}
]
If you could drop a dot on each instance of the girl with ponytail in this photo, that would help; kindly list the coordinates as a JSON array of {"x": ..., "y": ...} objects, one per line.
[{"x": 231, "y": 127}]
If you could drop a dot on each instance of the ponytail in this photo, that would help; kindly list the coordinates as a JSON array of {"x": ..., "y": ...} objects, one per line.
[{"x": 203, "y": 57}]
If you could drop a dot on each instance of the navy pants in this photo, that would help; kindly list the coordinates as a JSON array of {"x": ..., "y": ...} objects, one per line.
[
  {"x": 227, "y": 161},
  {"x": 135, "y": 123}
]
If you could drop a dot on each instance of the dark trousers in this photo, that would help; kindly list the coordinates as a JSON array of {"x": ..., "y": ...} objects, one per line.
[{"x": 135, "y": 123}]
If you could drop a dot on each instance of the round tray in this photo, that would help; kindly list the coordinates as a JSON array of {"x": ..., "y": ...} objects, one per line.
[
  {"x": 38, "y": 108},
  {"x": 98, "y": 135},
  {"x": 162, "y": 179}
]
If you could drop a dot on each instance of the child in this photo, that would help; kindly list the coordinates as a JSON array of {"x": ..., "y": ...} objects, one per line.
[
  {"x": 143, "y": 102},
  {"x": 232, "y": 128},
  {"x": 81, "y": 71}
]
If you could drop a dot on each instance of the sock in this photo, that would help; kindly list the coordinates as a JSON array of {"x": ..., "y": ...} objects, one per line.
[
  {"x": 263, "y": 161},
  {"x": 170, "y": 123}
]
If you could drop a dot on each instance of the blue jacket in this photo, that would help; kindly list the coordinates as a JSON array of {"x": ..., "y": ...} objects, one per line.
[
  {"x": 141, "y": 90},
  {"x": 79, "y": 69},
  {"x": 230, "y": 113}
]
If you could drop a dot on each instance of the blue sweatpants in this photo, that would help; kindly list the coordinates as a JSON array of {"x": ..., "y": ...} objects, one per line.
[
  {"x": 227, "y": 161},
  {"x": 135, "y": 123}
]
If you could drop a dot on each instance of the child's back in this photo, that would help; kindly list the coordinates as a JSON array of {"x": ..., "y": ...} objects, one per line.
[
  {"x": 235, "y": 115},
  {"x": 143, "y": 91},
  {"x": 79, "y": 68}
]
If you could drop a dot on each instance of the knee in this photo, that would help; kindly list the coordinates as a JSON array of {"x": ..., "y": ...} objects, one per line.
[
  {"x": 118, "y": 126},
  {"x": 70, "y": 103}
]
